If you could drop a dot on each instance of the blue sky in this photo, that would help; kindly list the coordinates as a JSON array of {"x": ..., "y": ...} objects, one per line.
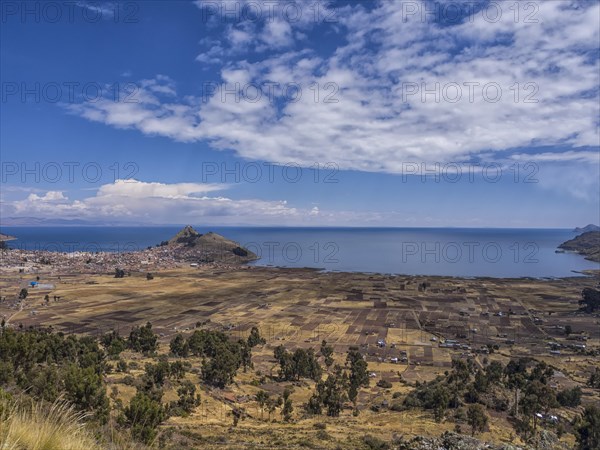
[{"x": 157, "y": 112}]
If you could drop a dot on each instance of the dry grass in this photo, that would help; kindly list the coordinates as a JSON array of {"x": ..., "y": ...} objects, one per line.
[
  {"x": 36, "y": 427},
  {"x": 300, "y": 308}
]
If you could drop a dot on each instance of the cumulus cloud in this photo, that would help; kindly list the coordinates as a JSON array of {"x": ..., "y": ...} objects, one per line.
[
  {"x": 133, "y": 201},
  {"x": 398, "y": 88}
]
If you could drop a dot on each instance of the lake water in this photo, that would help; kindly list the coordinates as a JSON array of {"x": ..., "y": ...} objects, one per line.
[{"x": 414, "y": 251}]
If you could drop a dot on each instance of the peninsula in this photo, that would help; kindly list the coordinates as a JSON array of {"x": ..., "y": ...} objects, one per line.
[{"x": 586, "y": 244}]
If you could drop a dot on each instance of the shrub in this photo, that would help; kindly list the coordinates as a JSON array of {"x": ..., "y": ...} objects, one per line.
[
  {"x": 143, "y": 415},
  {"x": 570, "y": 397},
  {"x": 384, "y": 384},
  {"x": 374, "y": 443},
  {"x": 397, "y": 406},
  {"x": 121, "y": 366},
  {"x": 322, "y": 435}
]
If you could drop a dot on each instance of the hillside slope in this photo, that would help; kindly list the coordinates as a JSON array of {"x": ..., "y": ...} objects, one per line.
[
  {"x": 586, "y": 244},
  {"x": 190, "y": 245}
]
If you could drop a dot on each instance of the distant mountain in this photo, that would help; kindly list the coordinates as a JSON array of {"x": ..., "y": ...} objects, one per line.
[
  {"x": 587, "y": 228},
  {"x": 40, "y": 222},
  {"x": 190, "y": 245},
  {"x": 586, "y": 244}
]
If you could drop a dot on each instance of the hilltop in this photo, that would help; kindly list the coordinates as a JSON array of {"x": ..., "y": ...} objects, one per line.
[
  {"x": 186, "y": 247},
  {"x": 190, "y": 245},
  {"x": 586, "y": 244},
  {"x": 590, "y": 227}
]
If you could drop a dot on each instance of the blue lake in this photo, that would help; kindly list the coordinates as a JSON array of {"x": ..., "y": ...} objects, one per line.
[{"x": 464, "y": 252}]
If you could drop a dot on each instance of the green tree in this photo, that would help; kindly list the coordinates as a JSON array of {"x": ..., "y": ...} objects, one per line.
[
  {"x": 113, "y": 343},
  {"x": 156, "y": 374},
  {"x": 541, "y": 372},
  {"x": 314, "y": 404},
  {"x": 177, "y": 370},
  {"x": 143, "y": 415},
  {"x": 300, "y": 364},
  {"x": 188, "y": 399},
  {"x": 327, "y": 352},
  {"x": 481, "y": 382},
  {"x": 538, "y": 398},
  {"x": 330, "y": 393},
  {"x": 288, "y": 408},
  {"x": 262, "y": 397},
  {"x": 220, "y": 370},
  {"x": 477, "y": 418},
  {"x": 245, "y": 354},
  {"x": 570, "y": 397},
  {"x": 359, "y": 374},
  {"x": 43, "y": 382},
  {"x": 515, "y": 374},
  {"x": 594, "y": 380},
  {"x": 142, "y": 339},
  {"x": 206, "y": 343},
  {"x": 588, "y": 430},
  {"x": 84, "y": 388},
  {"x": 494, "y": 372},
  {"x": 121, "y": 365},
  {"x": 440, "y": 397},
  {"x": 255, "y": 339},
  {"x": 178, "y": 346},
  {"x": 272, "y": 404}
]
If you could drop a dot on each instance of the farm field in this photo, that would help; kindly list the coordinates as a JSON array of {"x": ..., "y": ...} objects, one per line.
[{"x": 402, "y": 325}]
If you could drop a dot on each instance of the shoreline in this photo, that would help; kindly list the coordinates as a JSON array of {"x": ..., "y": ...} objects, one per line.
[
  {"x": 578, "y": 274},
  {"x": 66, "y": 262},
  {"x": 190, "y": 248}
]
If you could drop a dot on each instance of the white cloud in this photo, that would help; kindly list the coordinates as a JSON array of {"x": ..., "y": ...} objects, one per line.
[
  {"x": 132, "y": 201},
  {"x": 375, "y": 125},
  {"x": 104, "y": 10},
  {"x": 138, "y": 189},
  {"x": 277, "y": 34},
  {"x": 238, "y": 38},
  {"x": 578, "y": 156},
  {"x": 50, "y": 196}
]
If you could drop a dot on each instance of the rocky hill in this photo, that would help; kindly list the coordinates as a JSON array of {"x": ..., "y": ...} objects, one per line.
[
  {"x": 586, "y": 244},
  {"x": 192, "y": 246},
  {"x": 587, "y": 228}
]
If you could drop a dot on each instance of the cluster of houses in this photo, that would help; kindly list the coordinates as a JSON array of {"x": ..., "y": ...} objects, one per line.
[
  {"x": 555, "y": 347},
  {"x": 41, "y": 261}
]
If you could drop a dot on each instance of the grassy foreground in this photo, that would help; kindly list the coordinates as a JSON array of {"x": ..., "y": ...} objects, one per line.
[{"x": 33, "y": 426}]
